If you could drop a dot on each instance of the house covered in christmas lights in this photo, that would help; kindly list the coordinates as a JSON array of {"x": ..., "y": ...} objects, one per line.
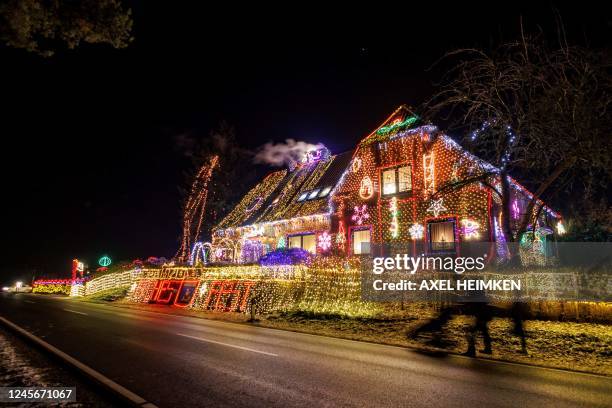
[{"x": 382, "y": 192}]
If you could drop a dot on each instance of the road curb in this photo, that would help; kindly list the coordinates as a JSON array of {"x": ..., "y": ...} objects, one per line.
[{"x": 101, "y": 380}]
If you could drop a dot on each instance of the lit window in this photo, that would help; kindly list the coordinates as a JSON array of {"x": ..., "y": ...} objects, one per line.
[
  {"x": 302, "y": 197},
  {"x": 361, "y": 242},
  {"x": 313, "y": 194},
  {"x": 307, "y": 242},
  {"x": 389, "y": 182},
  {"x": 442, "y": 236},
  {"x": 397, "y": 180},
  {"x": 325, "y": 191},
  {"x": 404, "y": 178}
]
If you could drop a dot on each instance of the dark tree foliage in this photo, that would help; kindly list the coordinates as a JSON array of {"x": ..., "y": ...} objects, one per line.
[
  {"x": 41, "y": 26},
  {"x": 538, "y": 112},
  {"x": 231, "y": 179}
]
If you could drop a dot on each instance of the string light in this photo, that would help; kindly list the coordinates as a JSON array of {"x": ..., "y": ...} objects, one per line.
[
  {"x": 394, "y": 227},
  {"x": 195, "y": 208}
]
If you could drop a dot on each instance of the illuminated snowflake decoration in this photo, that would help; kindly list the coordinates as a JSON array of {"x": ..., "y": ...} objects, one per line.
[
  {"x": 324, "y": 241},
  {"x": 360, "y": 214},
  {"x": 470, "y": 229},
  {"x": 436, "y": 207},
  {"x": 416, "y": 231}
]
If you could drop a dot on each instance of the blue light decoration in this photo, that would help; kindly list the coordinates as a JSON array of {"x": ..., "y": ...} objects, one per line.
[
  {"x": 104, "y": 261},
  {"x": 286, "y": 256}
]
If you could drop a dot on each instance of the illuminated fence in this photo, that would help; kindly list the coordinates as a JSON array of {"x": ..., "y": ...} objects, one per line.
[{"x": 111, "y": 281}]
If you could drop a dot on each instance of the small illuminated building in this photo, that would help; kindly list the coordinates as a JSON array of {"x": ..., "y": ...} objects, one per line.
[{"x": 383, "y": 192}]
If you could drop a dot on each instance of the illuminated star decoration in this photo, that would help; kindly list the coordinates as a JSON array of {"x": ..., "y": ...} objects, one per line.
[
  {"x": 436, "y": 207},
  {"x": 416, "y": 231},
  {"x": 324, "y": 241},
  {"x": 360, "y": 214}
]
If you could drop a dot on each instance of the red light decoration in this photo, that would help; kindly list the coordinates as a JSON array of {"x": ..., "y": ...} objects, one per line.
[{"x": 229, "y": 295}]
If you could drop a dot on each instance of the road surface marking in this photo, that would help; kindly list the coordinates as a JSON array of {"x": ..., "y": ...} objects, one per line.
[
  {"x": 228, "y": 345},
  {"x": 29, "y": 301},
  {"x": 74, "y": 311}
]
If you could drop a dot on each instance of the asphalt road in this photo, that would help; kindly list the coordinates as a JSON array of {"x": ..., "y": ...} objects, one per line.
[{"x": 178, "y": 361}]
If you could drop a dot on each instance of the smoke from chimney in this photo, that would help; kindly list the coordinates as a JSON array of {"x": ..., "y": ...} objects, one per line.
[{"x": 287, "y": 153}]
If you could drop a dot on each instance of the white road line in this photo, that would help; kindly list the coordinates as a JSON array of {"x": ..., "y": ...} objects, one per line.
[
  {"x": 228, "y": 345},
  {"x": 103, "y": 381},
  {"x": 74, "y": 311},
  {"x": 29, "y": 301}
]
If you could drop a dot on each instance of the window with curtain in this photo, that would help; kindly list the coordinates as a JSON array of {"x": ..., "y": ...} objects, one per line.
[
  {"x": 306, "y": 241},
  {"x": 442, "y": 236},
  {"x": 361, "y": 242}
]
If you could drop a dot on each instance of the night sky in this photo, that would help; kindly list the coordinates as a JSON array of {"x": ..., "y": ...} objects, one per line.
[{"x": 91, "y": 161}]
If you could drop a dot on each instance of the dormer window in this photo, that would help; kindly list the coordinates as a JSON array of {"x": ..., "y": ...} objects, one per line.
[
  {"x": 325, "y": 192},
  {"x": 313, "y": 194}
]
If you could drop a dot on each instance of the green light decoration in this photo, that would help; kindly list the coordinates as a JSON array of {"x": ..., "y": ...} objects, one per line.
[
  {"x": 396, "y": 126},
  {"x": 104, "y": 261}
]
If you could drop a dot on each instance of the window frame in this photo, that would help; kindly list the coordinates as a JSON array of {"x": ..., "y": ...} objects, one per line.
[
  {"x": 301, "y": 236},
  {"x": 396, "y": 177},
  {"x": 352, "y": 231},
  {"x": 455, "y": 242}
]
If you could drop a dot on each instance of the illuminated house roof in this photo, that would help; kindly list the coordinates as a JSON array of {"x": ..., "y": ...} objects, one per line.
[{"x": 288, "y": 194}]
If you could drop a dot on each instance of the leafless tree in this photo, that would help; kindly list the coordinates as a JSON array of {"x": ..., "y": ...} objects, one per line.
[{"x": 532, "y": 110}]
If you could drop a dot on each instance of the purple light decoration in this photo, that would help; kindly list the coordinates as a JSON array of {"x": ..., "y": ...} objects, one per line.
[
  {"x": 360, "y": 214},
  {"x": 284, "y": 256},
  {"x": 516, "y": 211},
  {"x": 251, "y": 251}
]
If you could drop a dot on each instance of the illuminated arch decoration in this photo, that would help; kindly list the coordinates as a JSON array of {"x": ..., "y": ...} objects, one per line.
[
  {"x": 416, "y": 231},
  {"x": 436, "y": 207},
  {"x": 470, "y": 229},
  {"x": 105, "y": 261},
  {"x": 200, "y": 253},
  {"x": 360, "y": 214},
  {"x": 366, "y": 189}
]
